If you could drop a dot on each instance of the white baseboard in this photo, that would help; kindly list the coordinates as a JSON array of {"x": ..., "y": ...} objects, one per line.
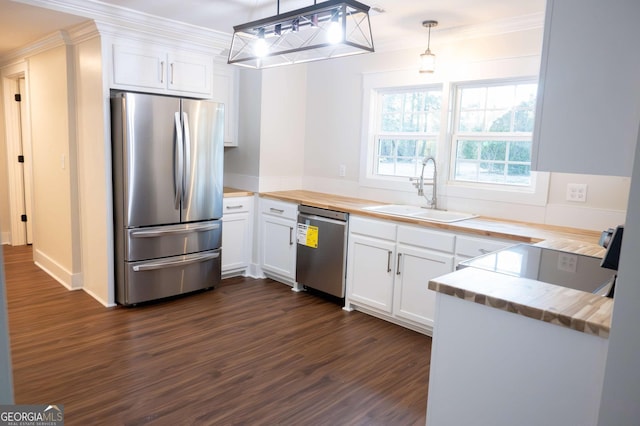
[{"x": 68, "y": 279}]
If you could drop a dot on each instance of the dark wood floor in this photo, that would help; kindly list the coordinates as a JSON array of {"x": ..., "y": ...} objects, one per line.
[{"x": 249, "y": 352}]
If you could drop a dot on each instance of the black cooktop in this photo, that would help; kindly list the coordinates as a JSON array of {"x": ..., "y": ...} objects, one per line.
[{"x": 577, "y": 271}]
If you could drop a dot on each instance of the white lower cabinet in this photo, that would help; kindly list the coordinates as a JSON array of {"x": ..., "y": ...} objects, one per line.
[
  {"x": 237, "y": 235},
  {"x": 389, "y": 267},
  {"x": 369, "y": 273},
  {"x": 413, "y": 301},
  {"x": 277, "y": 238}
]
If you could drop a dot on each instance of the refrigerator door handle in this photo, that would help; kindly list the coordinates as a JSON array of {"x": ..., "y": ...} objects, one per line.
[
  {"x": 178, "y": 162},
  {"x": 150, "y": 233},
  {"x": 187, "y": 159},
  {"x": 174, "y": 263}
]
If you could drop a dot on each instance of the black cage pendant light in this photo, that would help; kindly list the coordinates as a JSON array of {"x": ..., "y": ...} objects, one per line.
[{"x": 330, "y": 29}]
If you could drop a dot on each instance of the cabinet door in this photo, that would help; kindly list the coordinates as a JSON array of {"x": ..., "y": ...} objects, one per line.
[
  {"x": 139, "y": 67},
  {"x": 278, "y": 250},
  {"x": 370, "y": 272},
  {"x": 225, "y": 91},
  {"x": 235, "y": 241},
  {"x": 414, "y": 268},
  {"x": 190, "y": 72}
]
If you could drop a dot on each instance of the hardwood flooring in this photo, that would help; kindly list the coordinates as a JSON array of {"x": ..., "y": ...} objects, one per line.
[{"x": 250, "y": 352}]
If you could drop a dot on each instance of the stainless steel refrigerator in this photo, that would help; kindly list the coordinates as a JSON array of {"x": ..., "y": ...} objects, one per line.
[{"x": 167, "y": 188}]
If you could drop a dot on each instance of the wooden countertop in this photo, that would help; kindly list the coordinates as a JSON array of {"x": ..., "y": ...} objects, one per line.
[
  {"x": 482, "y": 226},
  {"x": 575, "y": 309},
  {"x": 565, "y": 307},
  {"x": 233, "y": 192}
]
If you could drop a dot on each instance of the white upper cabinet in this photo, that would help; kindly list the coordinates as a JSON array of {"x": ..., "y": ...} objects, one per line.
[
  {"x": 588, "y": 109},
  {"x": 162, "y": 69},
  {"x": 225, "y": 90}
]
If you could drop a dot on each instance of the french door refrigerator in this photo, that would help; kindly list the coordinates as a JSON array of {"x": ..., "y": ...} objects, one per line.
[{"x": 167, "y": 188}]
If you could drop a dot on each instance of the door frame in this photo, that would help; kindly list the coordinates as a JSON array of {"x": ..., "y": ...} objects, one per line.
[{"x": 17, "y": 127}]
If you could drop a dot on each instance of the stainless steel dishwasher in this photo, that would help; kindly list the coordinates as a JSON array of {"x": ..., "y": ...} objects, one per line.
[{"x": 321, "y": 237}]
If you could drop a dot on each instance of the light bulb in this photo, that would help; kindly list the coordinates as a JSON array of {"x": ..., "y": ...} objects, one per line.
[
  {"x": 260, "y": 47},
  {"x": 334, "y": 32}
]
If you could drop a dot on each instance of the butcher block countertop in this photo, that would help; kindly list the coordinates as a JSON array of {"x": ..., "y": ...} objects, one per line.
[
  {"x": 574, "y": 309},
  {"x": 482, "y": 226},
  {"x": 233, "y": 192}
]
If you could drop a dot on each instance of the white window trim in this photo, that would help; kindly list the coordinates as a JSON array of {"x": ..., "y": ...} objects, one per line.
[
  {"x": 536, "y": 194},
  {"x": 388, "y": 81}
]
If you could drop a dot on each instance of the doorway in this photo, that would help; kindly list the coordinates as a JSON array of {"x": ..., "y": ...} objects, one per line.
[{"x": 19, "y": 155}]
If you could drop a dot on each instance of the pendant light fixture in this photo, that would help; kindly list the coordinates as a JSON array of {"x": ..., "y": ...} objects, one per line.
[
  {"x": 330, "y": 29},
  {"x": 428, "y": 59}
]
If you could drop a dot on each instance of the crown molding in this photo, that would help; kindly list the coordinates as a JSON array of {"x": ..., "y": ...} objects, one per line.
[
  {"x": 114, "y": 20},
  {"x": 485, "y": 29},
  {"x": 50, "y": 41}
]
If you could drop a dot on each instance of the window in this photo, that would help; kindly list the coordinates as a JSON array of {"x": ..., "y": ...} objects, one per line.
[
  {"x": 407, "y": 124},
  {"x": 492, "y": 133}
]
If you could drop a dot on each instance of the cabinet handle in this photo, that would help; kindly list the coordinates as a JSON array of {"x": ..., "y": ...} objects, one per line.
[
  {"x": 239, "y": 206},
  {"x": 484, "y": 251},
  {"x": 171, "y": 72},
  {"x": 398, "y": 264},
  {"x": 274, "y": 210},
  {"x": 389, "y": 261},
  {"x": 161, "y": 71},
  {"x": 290, "y": 236}
]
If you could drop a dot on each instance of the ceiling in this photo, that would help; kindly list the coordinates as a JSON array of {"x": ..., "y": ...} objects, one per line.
[{"x": 22, "y": 21}]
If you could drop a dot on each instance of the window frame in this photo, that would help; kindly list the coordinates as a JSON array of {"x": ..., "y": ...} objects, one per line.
[
  {"x": 455, "y": 136},
  {"x": 372, "y": 133}
]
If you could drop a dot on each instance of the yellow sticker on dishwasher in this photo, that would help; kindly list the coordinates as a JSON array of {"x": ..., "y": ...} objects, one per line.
[{"x": 307, "y": 235}]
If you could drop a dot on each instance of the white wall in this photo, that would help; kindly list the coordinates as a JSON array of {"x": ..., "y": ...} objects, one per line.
[
  {"x": 336, "y": 109},
  {"x": 242, "y": 163},
  {"x": 94, "y": 171},
  {"x": 55, "y": 218},
  {"x": 282, "y": 127}
]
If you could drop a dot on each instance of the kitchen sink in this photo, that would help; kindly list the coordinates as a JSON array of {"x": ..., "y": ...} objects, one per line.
[{"x": 417, "y": 212}]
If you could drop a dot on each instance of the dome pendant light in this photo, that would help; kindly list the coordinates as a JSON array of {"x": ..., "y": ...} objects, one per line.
[{"x": 428, "y": 59}]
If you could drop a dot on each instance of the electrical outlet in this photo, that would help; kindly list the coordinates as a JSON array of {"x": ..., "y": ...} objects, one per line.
[
  {"x": 342, "y": 170},
  {"x": 577, "y": 192},
  {"x": 567, "y": 262}
]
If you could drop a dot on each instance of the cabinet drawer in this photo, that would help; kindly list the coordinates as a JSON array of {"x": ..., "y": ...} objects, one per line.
[
  {"x": 472, "y": 247},
  {"x": 279, "y": 208},
  {"x": 426, "y": 238},
  {"x": 372, "y": 228},
  {"x": 237, "y": 205}
]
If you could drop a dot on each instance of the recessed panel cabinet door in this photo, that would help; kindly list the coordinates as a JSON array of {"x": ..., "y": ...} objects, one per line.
[
  {"x": 370, "y": 272},
  {"x": 415, "y": 267},
  {"x": 278, "y": 246}
]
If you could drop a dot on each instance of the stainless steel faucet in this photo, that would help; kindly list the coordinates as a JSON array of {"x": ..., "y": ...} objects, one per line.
[{"x": 419, "y": 183}]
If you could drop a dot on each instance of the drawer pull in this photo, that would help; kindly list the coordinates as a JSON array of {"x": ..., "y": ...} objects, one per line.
[
  {"x": 274, "y": 210},
  {"x": 239, "y": 206},
  {"x": 484, "y": 251}
]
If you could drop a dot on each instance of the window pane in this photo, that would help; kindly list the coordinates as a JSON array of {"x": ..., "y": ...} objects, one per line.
[
  {"x": 520, "y": 151},
  {"x": 518, "y": 172},
  {"x": 493, "y": 150},
  {"x": 523, "y": 121},
  {"x": 491, "y": 172},
  {"x": 386, "y": 147},
  {"x": 473, "y": 98},
  {"x": 407, "y": 148},
  {"x": 466, "y": 170},
  {"x": 499, "y": 121},
  {"x": 433, "y": 122},
  {"x": 467, "y": 150},
  {"x": 500, "y": 97},
  {"x": 526, "y": 94},
  {"x": 392, "y": 102},
  {"x": 391, "y": 123},
  {"x": 471, "y": 121}
]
